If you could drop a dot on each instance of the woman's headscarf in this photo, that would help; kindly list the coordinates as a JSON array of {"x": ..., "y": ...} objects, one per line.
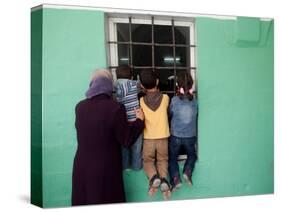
[{"x": 101, "y": 83}]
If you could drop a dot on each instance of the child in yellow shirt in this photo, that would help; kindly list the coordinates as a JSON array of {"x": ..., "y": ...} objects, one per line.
[{"x": 156, "y": 132}]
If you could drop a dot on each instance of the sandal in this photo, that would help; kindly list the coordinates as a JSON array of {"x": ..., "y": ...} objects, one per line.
[{"x": 153, "y": 185}]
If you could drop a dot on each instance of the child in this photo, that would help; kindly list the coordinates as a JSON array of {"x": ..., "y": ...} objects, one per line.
[
  {"x": 127, "y": 94},
  {"x": 183, "y": 114},
  {"x": 156, "y": 132}
]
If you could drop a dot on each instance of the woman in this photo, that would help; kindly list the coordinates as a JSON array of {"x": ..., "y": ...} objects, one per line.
[{"x": 102, "y": 129}]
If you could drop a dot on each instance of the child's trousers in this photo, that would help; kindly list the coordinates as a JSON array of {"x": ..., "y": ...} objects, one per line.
[
  {"x": 175, "y": 143},
  {"x": 132, "y": 156},
  {"x": 155, "y": 157}
]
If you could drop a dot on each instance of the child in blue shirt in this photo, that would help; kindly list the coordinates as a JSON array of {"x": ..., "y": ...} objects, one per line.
[
  {"x": 183, "y": 115},
  {"x": 127, "y": 94}
]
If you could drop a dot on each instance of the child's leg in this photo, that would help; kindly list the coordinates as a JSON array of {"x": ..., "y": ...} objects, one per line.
[
  {"x": 162, "y": 166},
  {"x": 189, "y": 144},
  {"x": 136, "y": 154},
  {"x": 162, "y": 157},
  {"x": 125, "y": 158},
  {"x": 173, "y": 167},
  {"x": 148, "y": 154}
]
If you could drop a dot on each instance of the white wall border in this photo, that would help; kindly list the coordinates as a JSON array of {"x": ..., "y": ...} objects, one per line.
[{"x": 138, "y": 11}]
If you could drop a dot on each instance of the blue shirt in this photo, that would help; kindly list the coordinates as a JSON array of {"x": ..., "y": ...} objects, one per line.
[{"x": 183, "y": 114}]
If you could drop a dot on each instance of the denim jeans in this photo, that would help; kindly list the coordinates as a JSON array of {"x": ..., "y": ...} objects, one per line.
[
  {"x": 175, "y": 144},
  {"x": 132, "y": 157}
]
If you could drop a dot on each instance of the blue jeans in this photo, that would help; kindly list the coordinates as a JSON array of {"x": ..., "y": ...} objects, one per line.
[
  {"x": 175, "y": 144},
  {"x": 132, "y": 157}
]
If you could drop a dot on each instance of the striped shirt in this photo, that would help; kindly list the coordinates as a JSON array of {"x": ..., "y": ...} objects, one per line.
[{"x": 127, "y": 94}]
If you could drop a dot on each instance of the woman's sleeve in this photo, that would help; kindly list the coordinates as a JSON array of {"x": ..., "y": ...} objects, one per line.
[{"x": 126, "y": 133}]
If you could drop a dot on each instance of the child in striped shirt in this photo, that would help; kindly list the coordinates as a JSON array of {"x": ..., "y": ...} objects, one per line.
[{"x": 127, "y": 91}]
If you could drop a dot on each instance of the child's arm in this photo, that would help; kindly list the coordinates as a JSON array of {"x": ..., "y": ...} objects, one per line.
[{"x": 141, "y": 90}]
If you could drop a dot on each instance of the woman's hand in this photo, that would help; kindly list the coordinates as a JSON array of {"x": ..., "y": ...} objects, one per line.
[{"x": 139, "y": 114}]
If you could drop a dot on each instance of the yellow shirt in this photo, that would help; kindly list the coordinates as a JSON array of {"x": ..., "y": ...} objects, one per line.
[{"x": 156, "y": 122}]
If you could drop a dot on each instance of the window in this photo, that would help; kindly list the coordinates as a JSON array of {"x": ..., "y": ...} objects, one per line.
[{"x": 164, "y": 45}]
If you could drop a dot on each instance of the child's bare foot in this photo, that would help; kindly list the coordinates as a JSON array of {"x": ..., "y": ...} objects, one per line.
[
  {"x": 165, "y": 188},
  {"x": 166, "y": 194},
  {"x": 152, "y": 191},
  {"x": 188, "y": 178}
]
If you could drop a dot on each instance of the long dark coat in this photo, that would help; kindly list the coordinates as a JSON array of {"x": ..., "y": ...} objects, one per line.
[{"x": 102, "y": 129}]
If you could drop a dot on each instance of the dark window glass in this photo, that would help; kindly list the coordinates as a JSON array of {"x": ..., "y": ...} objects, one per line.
[
  {"x": 142, "y": 55},
  {"x": 136, "y": 74},
  {"x": 163, "y": 56},
  {"x": 166, "y": 82},
  {"x": 163, "y": 34},
  {"x": 182, "y": 35},
  {"x": 123, "y": 32},
  {"x": 123, "y": 54},
  {"x": 181, "y": 57},
  {"x": 141, "y": 33},
  {"x": 181, "y": 74}
]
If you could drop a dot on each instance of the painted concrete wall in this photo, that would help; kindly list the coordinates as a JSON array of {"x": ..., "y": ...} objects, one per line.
[
  {"x": 72, "y": 46},
  {"x": 36, "y": 107},
  {"x": 235, "y": 87}
]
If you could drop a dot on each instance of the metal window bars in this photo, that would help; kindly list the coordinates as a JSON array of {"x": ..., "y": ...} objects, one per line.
[{"x": 153, "y": 45}]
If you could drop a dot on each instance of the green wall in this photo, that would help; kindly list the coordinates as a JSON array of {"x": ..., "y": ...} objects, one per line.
[
  {"x": 73, "y": 46},
  {"x": 235, "y": 94},
  {"x": 36, "y": 108},
  {"x": 235, "y": 87}
]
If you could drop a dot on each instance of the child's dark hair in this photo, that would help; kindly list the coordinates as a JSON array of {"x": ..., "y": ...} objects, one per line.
[
  {"x": 124, "y": 72},
  {"x": 148, "y": 78},
  {"x": 185, "y": 82}
]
